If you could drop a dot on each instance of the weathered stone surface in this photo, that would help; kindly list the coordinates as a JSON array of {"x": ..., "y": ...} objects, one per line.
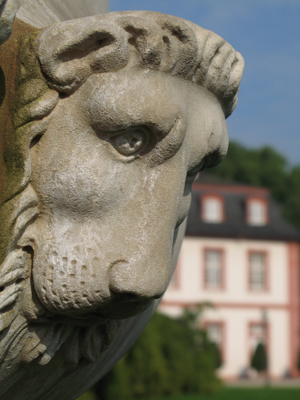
[
  {"x": 41, "y": 13},
  {"x": 108, "y": 121},
  {"x": 8, "y": 9}
]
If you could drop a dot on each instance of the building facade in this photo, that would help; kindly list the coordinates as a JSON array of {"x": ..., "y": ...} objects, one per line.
[{"x": 241, "y": 256}]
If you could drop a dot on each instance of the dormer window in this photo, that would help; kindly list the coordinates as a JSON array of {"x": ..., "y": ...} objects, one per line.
[
  {"x": 212, "y": 209},
  {"x": 257, "y": 212}
]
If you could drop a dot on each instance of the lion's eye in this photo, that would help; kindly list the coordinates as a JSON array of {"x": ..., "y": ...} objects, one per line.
[{"x": 129, "y": 142}]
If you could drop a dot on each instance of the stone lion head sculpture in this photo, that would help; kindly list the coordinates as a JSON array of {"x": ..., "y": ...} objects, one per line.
[{"x": 112, "y": 118}]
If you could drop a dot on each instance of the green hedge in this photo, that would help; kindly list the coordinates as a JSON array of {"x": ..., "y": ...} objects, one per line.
[{"x": 170, "y": 357}]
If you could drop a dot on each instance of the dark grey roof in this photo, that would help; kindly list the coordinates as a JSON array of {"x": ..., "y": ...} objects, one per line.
[{"x": 235, "y": 225}]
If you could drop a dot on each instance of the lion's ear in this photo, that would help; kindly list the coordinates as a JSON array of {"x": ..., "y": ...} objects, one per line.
[{"x": 70, "y": 51}]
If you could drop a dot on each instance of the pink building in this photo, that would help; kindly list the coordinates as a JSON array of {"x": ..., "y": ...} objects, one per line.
[{"x": 240, "y": 255}]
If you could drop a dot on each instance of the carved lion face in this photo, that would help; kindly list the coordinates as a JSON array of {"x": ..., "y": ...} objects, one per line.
[{"x": 113, "y": 175}]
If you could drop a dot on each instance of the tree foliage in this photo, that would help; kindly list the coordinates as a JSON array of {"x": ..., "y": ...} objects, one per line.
[
  {"x": 170, "y": 357},
  {"x": 264, "y": 167},
  {"x": 298, "y": 361}
]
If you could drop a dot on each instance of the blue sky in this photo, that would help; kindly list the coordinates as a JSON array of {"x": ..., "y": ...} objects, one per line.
[{"x": 267, "y": 33}]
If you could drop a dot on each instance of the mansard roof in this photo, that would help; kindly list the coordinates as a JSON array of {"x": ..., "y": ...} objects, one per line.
[{"x": 234, "y": 225}]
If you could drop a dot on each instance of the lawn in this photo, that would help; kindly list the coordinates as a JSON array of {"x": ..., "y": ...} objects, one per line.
[
  {"x": 232, "y": 394},
  {"x": 243, "y": 394}
]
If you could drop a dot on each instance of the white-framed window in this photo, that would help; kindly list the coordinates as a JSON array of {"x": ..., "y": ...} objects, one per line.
[
  {"x": 258, "y": 271},
  {"x": 258, "y": 334},
  {"x": 214, "y": 332},
  {"x": 212, "y": 209},
  {"x": 256, "y": 212},
  {"x": 213, "y": 269}
]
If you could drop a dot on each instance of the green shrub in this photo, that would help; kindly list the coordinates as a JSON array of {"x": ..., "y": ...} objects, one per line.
[
  {"x": 89, "y": 395},
  {"x": 298, "y": 360},
  {"x": 259, "y": 359},
  {"x": 169, "y": 358}
]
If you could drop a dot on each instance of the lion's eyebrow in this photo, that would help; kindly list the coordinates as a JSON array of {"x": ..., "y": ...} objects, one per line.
[{"x": 156, "y": 130}]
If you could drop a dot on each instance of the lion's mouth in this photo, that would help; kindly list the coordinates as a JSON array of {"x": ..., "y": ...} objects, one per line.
[
  {"x": 89, "y": 319},
  {"x": 78, "y": 340}
]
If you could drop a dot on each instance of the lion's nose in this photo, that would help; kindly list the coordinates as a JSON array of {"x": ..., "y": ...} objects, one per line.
[{"x": 139, "y": 281}]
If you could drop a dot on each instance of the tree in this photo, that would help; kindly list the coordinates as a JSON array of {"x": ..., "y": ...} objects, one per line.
[
  {"x": 259, "y": 359},
  {"x": 217, "y": 355},
  {"x": 298, "y": 361},
  {"x": 171, "y": 357}
]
